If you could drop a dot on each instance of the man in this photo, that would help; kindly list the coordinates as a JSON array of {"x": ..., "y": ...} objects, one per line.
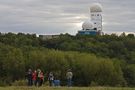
[
  {"x": 51, "y": 78},
  {"x": 40, "y": 77},
  {"x": 69, "y": 76},
  {"x": 29, "y": 77}
]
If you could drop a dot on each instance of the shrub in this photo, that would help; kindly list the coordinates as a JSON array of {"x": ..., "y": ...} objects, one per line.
[{"x": 19, "y": 83}]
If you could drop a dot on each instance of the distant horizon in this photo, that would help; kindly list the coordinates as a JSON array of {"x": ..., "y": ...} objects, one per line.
[{"x": 66, "y": 33}]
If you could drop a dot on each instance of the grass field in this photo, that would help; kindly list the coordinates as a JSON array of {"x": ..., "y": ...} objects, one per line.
[{"x": 64, "y": 88}]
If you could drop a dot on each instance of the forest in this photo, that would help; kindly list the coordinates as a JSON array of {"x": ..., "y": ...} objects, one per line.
[{"x": 107, "y": 60}]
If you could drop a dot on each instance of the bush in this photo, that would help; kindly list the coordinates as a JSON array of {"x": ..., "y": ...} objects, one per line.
[
  {"x": 19, "y": 83},
  {"x": 93, "y": 84},
  {"x": 2, "y": 84}
]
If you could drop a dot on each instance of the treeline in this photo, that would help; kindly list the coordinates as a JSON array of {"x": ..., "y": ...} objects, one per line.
[
  {"x": 113, "y": 46},
  {"x": 94, "y": 60}
]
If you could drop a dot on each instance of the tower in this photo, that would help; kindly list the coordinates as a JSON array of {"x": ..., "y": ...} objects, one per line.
[
  {"x": 93, "y": 26},
  {"x": 96, "y": 16}
]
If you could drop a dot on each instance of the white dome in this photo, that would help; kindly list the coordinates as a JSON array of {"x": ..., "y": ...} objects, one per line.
[
  {"x": 87, "y": 25},
  {"x": 96, "y": 7}
]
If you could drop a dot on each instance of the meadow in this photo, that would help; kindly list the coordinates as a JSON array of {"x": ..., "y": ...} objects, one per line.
[{"x": 65, "y": 88}]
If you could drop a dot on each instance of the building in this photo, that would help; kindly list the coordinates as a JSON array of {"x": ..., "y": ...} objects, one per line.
[
  {"x": 93, "y": 26},
  {"x": 46, "y": 37}
]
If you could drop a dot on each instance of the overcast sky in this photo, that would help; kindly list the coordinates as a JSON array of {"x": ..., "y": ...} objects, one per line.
[{"x": 63, "y": 16}]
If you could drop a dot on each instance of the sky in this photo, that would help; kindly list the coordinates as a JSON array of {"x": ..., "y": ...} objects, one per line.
[{"x": 64, "y": 16}]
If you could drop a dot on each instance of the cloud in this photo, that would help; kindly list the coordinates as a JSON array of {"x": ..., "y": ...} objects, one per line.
[{"x": 63, "y": 16}]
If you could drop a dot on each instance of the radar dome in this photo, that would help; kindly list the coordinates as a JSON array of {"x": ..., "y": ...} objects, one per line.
[
  {"x": 96, "y": 7},
  {"x": 87, "y": 25}
]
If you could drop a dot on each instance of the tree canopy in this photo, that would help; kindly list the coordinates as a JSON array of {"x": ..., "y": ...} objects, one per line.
[{"x": 102, "y": 60}]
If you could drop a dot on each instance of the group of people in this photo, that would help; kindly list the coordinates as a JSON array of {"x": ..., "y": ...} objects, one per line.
[{"x": 37, "y": 78}]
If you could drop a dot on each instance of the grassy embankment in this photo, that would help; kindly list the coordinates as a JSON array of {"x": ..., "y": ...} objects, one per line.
[{"x": 65, "y": 88}]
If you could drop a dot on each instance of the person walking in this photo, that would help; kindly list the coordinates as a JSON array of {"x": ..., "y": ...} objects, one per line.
[
  {"x": 51, "y": 79},
  {"x": 69, "y": 76}
]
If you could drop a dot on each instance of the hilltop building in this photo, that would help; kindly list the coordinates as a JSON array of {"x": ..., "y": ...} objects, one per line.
[
  {"x": 46, "y": 37},
  {"x": 93, "y": 26}
]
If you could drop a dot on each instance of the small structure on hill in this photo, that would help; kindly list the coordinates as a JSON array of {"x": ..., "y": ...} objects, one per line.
[{"x": 46, "y": 37}]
